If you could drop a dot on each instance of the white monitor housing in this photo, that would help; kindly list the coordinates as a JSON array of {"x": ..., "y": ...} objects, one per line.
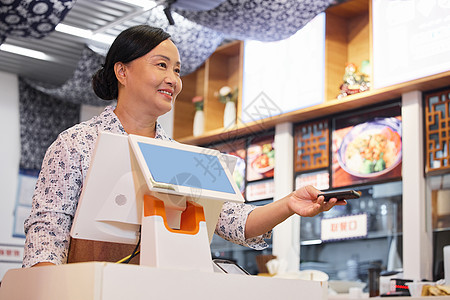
[{"x": 125, "y": 168}]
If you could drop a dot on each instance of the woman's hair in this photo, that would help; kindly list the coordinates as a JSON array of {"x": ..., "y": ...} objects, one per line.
[{"x": 130, "y": 44}]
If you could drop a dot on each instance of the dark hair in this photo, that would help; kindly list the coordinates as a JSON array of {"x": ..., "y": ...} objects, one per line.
[{"x": 130, "y": 44}]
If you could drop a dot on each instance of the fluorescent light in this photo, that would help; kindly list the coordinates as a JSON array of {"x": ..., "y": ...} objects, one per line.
[
  {"x": 25, "y": 52},
  {"x": 144, "y": 4},
  {"x": 87, "y": 34}
]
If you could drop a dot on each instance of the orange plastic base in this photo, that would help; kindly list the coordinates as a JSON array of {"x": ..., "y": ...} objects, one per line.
[{"x": 190, "y": 218}]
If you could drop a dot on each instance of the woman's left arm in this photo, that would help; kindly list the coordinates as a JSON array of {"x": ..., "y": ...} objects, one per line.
[{"x": 303, "y": 201}]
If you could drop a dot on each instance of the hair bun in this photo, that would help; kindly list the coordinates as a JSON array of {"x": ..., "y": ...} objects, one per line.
[{"x": 101, "y": 85}]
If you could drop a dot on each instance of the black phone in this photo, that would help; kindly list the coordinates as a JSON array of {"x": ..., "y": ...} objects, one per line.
[
  {"x": 229, "y": 267},
  {"x": 341, "y": 195}
]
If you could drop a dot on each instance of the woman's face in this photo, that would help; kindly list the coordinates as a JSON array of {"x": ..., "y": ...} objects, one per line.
[{"x": 153, "y": 81}]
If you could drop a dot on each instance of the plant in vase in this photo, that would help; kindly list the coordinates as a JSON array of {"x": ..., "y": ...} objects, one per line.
[
  {"x": 199, "y": 118},
  {"x": 229, "y": 97}
]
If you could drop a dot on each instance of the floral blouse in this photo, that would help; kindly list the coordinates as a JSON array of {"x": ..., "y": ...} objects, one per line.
[{"x": 59, "y": 186}]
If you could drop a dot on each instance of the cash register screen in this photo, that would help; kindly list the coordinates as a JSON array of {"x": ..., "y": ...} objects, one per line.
[{"x": 186, "y": 168}]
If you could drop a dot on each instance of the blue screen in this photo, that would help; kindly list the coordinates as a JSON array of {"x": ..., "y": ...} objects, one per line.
[{"x": 185, "y": 168}]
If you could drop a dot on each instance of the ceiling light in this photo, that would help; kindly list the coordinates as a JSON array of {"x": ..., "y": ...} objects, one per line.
[
  {"x": 144, "y": 4},
  {"x": 26, "y": 52},
  {"x": 87, "y": 34}
]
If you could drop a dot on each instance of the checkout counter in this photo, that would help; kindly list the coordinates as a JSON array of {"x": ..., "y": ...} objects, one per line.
[
  {"x": 109, "y": 281},
  {"x": 176, "y": 229}
]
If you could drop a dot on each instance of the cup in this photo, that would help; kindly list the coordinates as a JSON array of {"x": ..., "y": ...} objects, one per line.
[
  {"x": 415, "y": 288},
  {"x": 355, "y": 293}
]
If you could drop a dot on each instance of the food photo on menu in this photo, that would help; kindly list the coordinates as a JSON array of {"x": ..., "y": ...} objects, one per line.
[
  {"x": 367, "y": 147},
  {"x": 261, "y": 158}
]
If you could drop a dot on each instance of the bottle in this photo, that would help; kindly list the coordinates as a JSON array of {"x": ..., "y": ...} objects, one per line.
[{"x": 374, "y": 282}]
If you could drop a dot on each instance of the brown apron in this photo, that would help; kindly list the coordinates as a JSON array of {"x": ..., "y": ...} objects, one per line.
[{"x": 85, "y": 250}]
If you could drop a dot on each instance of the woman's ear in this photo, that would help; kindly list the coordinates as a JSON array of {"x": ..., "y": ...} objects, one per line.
[{"x": 119, "y": 70}]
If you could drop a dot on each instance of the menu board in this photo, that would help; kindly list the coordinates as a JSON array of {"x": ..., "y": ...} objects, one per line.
[
  {"x": 261, "y": 158},
  {"x": 367, "y": 147},
  {"x": 411, "y": 39},
  {"x": 236, "y": 148},
  {"x": 286, "y": 75}
]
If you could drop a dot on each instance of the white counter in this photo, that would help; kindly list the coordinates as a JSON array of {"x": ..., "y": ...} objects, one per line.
[{"x": 109, "y": 281}]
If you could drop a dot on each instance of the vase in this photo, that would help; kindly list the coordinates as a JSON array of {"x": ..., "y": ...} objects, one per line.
[
  {"x": 229, "y": 115},
  {"x": 199, "y": 123}
]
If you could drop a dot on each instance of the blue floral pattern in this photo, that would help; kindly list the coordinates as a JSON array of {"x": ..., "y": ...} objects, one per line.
[
  {"x": 25, "y": 18},
  {"x": 42, "y": 118},
  {"x": 59, "y": 185},
  {"x": 262, "y": 20}
]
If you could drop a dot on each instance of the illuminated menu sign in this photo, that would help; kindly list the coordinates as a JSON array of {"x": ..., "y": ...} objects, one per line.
[{"x": 411, "y": 39}]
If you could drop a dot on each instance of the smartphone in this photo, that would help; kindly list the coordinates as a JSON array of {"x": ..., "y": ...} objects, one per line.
[
  {"x": 229, "y": 267},
  {"x": 341, "y": 195}
]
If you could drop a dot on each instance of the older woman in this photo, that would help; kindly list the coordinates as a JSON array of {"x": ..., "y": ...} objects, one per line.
[{"x": 141, "y": 71}]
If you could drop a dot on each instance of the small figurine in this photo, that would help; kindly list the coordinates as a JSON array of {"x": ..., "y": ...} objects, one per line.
[{"x": 355, "y": 82}]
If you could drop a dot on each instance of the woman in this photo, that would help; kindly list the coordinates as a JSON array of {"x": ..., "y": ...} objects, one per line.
[{"x": 141, "y": 71}]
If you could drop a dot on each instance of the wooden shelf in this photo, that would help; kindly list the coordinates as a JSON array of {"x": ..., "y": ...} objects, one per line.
[
  {"x": 348, "y": 39},
  {"x": 331, "y": 107},
  {"x": 223, "y": 68},
  {"x": 184, "y": 111}
]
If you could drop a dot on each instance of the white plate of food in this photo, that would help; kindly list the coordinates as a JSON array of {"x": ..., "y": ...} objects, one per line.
[{"x": 371, "y": 149}]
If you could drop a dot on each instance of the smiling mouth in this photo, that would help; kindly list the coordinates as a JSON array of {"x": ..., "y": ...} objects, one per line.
[{"x": 166, "y": 92}]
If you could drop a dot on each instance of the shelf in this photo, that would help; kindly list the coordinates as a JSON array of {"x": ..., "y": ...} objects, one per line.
[
  {"x": 348, "y": 38},
  {"x": 223, "y": 68},
  {"x": 331, "y": 107},
  {"x": 184, "y": 111}
]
